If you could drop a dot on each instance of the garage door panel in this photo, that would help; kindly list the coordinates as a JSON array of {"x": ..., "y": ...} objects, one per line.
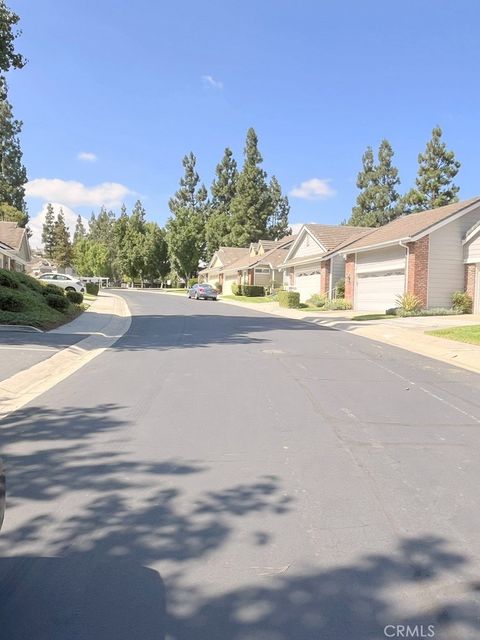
[
  {"x": 379, "y": 291},
  {"x": 307, "y": 281}
]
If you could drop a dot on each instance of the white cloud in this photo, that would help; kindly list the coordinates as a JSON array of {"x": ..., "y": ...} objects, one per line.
[
  {"x": 87, "y": 156},
  {"x": 36, "y": 223},
  {"x": 74, "y": 193},
  {"x": 314, "y": 189},
  {"x": 209, "y": 81}
]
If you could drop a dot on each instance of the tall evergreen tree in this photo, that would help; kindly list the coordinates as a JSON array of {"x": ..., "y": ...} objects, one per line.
[
  {"x": 80, "y": 231},
  {"x": 157, "y": 264},
  {"x": 62, "y": 246},
  {"x": 47, "y": 231},
  {"x": 223, "y": 191},
  {"x": 378, "y": 200},
  {"x": 185, "y": 229},
  {"x": 132, "y": 252},
  {"x": 277, "y": 226},
  {"x": 13, "y": 175},
  {"x": 119, "y": 232},
  {"x": 9, "y": 58},
  {"x": 252, "y": 205},
  {"x": 434, "y": 186}
]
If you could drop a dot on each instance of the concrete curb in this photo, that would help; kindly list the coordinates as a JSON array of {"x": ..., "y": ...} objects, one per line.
[{"x": 27, "y": 385}]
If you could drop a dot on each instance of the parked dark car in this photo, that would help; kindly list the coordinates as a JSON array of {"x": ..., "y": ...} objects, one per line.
[
  {"x": 205, "y": 291},
  {"x": 2, "y": 493}
]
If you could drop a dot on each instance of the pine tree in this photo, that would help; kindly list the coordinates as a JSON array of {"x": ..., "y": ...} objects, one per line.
[
  {"x": 132, "y": 253},
  {"x": 252, "y": 205},
  {"x": 223, "y": 191},
  {"x": 157, "y": 264},
  {"x": 13, "y": 175},
  {"x": 80, "y": 231},
  {"x": 47, "y": 231},
  {"x": 377, "y": 202},
  {"x": 185, "y": 229},
  {"x": 62, "y": 246},
  {"x": 277, "y": 226},
  {"x": 434, "y": 186}
]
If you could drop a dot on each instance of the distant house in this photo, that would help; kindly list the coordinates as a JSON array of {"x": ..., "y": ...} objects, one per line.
[
  {"x": 430, "y": 254},
  {"x": 258, "y": 265},
  {"x": 311, "y": 265},
  {"x": 15, "y": 251},
  {"x": 224, "y": 256}
]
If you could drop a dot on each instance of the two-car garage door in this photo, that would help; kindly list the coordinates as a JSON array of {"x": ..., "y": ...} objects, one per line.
[{"x": 380, "y": 279}]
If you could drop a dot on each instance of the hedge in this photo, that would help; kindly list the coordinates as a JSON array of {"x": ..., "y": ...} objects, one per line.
[
  {"x": 236, "y": 289},
  {"x": 289, "y": 299},
  {"x": 60, "y": 303},
  {"x": 9, "y": 301},
  {"x": 75, "y": 297},
  {"x": 252, "y": 290},
  {"x": 92, "y": 288},
  {"x": 7, "y": 279},
  {"x": 53, "y": 289}
]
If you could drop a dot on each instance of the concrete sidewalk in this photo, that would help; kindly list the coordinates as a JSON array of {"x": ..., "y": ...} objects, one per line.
[
  {"x": 106, "y": 320},
  {"x": 405, "y": 333}
]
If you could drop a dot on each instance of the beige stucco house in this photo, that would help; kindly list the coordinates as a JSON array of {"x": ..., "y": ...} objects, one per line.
[
  {"x": 14, "y": 247},
  {"x": 310, "y": 266},
  {"x": 430, "y": 254}
]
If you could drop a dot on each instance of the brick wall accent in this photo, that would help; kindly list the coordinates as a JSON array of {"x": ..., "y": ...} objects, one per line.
[
  {"x": 350, "y": 278},
  {"x": 250, "y": 276},
  {"x": 470, "y": 275},
  {"x": 417, "y": 277},
  {"x": 325, "y": 276}
]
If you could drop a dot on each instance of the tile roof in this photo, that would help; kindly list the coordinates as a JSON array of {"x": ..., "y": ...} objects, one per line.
[
  {"x": 409, "y": 226},
  {"x": 11, "y": 234},
  {"x": 330, "y": 236}
]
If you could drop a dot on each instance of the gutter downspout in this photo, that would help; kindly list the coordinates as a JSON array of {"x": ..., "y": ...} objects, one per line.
[{"x": 405, "y": 246}]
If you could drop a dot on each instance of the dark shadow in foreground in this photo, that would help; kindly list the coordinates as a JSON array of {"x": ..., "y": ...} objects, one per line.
[{"x": 80, "y": 598}]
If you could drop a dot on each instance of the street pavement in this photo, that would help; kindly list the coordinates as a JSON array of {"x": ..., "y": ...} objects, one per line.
[{"x": 220, "y": 473}]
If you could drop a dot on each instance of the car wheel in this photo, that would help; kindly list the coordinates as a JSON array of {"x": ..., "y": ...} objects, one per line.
[{"x": 69, "y": 289}]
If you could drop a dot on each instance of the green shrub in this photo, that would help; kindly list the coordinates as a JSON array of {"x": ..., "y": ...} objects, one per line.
[
  {"x": 317, "y": 300},
  {"x": 236, "y": 289},
  {"x": 339, "y": 304},
  {"x": 10, "y": 301},
  {"x": 218, "y": 287},
  {"x": 191, "y": 282},
  {"x": 408, "y": 303},
  {"x": 438, "y": 311},
  {"x": 289, "y": 299},
  {"x": 340, "y": 287},
  {"x": 92, "y": 288},
  {"x": 8, "y": 279},
  {"x": 31, "y": 283},
  {"x": 53, "y": 289},
  {"x": 252, "y": 290},
  {"x": 60, "y": 303},
  {"x": 462, "y": 302},
  {"x": 75, "y": 297}
]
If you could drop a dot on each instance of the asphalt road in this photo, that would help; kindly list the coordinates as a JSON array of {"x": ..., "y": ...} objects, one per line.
[{"x": 225, "y": 474}]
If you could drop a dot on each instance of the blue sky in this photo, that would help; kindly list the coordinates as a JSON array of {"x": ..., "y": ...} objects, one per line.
[{"x": 139, "y": 84}]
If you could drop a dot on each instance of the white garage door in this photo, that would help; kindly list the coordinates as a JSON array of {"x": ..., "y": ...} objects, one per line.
[
  {"x": 228, "y": 280},
  {"x": 378, "y": 291},
  {"x": 307, "y": 282}
]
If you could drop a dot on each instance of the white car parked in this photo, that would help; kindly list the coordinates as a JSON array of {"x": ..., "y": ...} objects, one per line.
[{"x": 69, "y": 283}]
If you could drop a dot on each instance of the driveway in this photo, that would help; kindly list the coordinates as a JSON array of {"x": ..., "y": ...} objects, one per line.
[{"x": 220, "y": 473}]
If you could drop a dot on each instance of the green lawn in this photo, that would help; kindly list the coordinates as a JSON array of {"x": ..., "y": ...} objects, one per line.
[
  {"x": 469, "y": 334},
  {"x": 255, "y": 299}
]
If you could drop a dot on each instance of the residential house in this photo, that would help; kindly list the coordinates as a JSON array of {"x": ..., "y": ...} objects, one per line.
[
  {"x": 311, "y": 265},
  {"x": 213, "y": 272},
  {"x": 14, "y": 247},
  {"x": 430, "y": 254},
  {"x": 259, "y": 265}
]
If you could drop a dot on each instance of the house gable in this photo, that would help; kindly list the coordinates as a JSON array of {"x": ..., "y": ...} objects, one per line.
[{"x": 305, "y": 245}]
